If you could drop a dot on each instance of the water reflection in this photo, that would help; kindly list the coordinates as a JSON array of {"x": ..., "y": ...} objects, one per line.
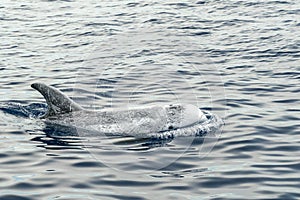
[{"x": 62, "y": 137}]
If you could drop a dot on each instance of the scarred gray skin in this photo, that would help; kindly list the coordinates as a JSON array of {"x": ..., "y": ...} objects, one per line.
[{"x": 158, "y": 121}]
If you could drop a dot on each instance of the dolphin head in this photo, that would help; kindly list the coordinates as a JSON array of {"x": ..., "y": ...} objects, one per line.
[{"x": 183, "y": 115}]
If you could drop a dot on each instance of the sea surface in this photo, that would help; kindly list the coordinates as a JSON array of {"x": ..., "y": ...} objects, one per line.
[{"x": 237, "y": 59}]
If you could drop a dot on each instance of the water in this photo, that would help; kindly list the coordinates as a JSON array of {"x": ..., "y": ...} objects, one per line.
[{"x": 237, "y": 59}]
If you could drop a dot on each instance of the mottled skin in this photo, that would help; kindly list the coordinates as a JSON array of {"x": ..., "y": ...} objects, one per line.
[
  {"x": 58, "y": 102},
  {"x": 159, "y": 121}
]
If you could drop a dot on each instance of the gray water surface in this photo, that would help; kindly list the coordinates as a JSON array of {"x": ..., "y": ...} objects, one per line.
[{"x": 236, "y": 59}]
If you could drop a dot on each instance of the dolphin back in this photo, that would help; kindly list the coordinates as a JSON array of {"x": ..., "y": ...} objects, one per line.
[{"x": 58, "y": 103}]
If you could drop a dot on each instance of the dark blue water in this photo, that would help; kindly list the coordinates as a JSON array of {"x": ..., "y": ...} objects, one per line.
[{"x": 236, "y": 59}]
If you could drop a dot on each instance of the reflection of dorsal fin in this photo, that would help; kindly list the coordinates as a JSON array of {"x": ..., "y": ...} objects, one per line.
[{"x": 58, "y": 102}]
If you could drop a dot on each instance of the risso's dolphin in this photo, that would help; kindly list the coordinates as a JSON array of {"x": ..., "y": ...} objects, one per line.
[{"x": 157, "y": 121}]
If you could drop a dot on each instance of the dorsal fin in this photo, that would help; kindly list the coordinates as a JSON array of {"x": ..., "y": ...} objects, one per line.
[{"x": 58, "y": 103}]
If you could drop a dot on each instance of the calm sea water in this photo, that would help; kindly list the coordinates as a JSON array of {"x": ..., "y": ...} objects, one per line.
[{"x": 237, "y": 59}]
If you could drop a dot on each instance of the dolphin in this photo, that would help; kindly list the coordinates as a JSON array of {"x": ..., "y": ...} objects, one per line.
[{"x": 155, "y": 121}]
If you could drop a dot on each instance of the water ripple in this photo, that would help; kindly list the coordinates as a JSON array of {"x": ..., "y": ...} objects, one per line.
[{"x": 238, "y": 59}]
